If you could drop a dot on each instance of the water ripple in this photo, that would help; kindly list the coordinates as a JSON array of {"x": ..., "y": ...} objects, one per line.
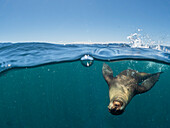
[{"x": 33, "y": 54}]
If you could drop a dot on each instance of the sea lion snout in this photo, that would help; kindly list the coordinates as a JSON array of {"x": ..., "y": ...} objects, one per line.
[
  {"x": 115, "y": 108},
  {"x": 115, "y": 105}
]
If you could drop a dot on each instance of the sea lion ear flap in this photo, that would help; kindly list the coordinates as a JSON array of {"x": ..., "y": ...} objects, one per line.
[
  {"x": 107, "y": 73},
  {"x": 148, "y": 83}
]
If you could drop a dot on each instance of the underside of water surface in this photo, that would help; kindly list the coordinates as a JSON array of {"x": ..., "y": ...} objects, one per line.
[
  {"x": 52, "y": 85},
  {"x": 17, "y": 55}
]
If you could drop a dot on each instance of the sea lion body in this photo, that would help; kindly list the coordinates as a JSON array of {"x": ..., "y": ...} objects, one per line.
[{"x": 125, "y": 86}]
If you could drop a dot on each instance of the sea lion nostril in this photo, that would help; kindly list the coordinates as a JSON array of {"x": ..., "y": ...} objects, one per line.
[{"x": 117, "y": 105}]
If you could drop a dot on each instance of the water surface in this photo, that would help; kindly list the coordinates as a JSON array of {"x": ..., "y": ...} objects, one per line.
[{"x": 38, "y": 92}]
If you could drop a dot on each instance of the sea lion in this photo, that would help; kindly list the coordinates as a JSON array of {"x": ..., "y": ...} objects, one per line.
[{"x": 125, "y": 86}]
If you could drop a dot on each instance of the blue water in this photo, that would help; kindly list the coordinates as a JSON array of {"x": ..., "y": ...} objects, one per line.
[{"x": 44, "y": 85}]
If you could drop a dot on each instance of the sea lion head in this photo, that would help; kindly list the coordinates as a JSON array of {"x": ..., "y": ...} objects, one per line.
[{"x": 116, "y": 107}]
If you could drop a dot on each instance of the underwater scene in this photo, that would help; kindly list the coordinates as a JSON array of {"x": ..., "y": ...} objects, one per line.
[{"x": 45, "y": 85}]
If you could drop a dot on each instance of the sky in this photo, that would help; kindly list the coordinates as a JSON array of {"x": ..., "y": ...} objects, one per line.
[{"x": 83, "y": 20}]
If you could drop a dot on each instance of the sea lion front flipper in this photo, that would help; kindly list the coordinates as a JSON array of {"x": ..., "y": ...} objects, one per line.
[
  {"x": 148, "y": 83},
  {"x": 143, "y": 76},
  {"x": 107, "y": 73}
]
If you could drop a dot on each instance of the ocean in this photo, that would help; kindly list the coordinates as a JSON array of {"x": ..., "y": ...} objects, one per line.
[{"x": 45, "y": 85}]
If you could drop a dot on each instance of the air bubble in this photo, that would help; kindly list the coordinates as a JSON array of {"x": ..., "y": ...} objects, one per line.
[{"x": 87, "y": 60}]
